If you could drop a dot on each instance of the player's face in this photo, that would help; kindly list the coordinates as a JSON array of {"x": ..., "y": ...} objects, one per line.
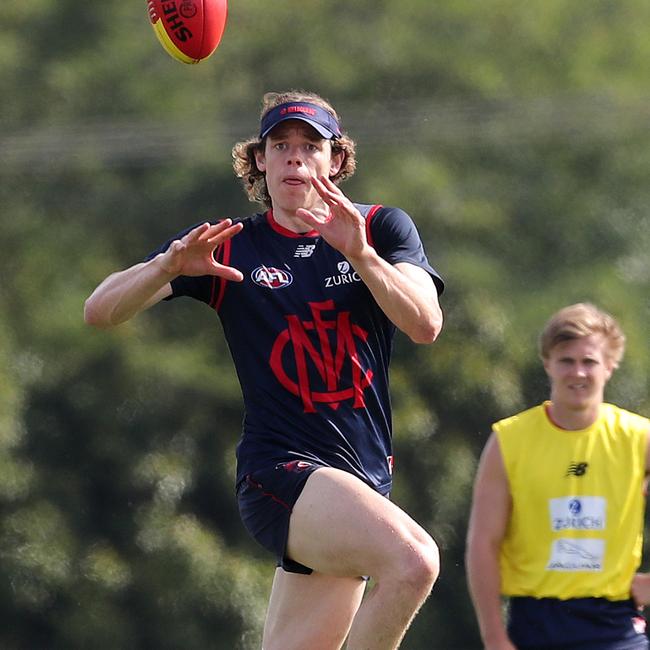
[
  {"x": 294, "y": 153},
  {"x": 578, "y": 370}
]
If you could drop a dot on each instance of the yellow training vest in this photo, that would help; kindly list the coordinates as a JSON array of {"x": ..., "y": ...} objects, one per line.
[{"x": 578, "y": 504}]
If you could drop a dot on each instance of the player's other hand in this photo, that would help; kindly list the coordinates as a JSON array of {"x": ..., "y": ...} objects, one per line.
[
  {"x": 640, "y": 589},
  {"x": 337, "y": 220},
  {"x": 193, "y": 254}
]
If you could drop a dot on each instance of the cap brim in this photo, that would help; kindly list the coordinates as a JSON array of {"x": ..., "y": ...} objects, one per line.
[{"x": 322, "y": 130}]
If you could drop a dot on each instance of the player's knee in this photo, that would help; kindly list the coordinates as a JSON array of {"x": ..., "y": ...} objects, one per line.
[{"x": 420, "y": 566}]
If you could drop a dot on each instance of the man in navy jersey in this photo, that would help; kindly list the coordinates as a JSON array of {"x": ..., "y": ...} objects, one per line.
[{"x": 310, "y": 293}]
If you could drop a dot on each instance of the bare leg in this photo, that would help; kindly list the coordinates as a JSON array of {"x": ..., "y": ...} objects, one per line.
[
  {"x": 310, "y": 611},
  {"x": 341, "y": 527}
]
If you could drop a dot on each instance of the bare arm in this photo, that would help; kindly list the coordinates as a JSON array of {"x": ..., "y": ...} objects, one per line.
[
  {"x": 491, "y": 508},
  {"x": 405, "y": 292},
  {"x": 641, "y": 590},
  {"x": 122, "y": 295},
  {"x": 641, "y": 582}
]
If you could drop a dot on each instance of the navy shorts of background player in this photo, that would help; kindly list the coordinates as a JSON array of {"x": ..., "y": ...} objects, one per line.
[
  {"x": 554, "y": 624},
  {"x": 311, "y": 348}
]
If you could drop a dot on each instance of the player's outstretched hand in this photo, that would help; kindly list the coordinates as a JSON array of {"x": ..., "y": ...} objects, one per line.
[
  {"x": 641, "y": 589},
  {"x": 338, "y": 221},
  {"x": 193, "y": 254}
]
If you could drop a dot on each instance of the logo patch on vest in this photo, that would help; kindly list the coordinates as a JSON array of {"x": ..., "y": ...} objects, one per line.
[
  {"x": 577, "y": 513},
  {"x": 577, "y": 555}
]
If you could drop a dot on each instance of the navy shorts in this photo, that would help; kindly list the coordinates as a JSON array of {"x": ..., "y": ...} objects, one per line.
[
  {"x": 576, "y": 624},
  {"x": 266, "y": 499}
]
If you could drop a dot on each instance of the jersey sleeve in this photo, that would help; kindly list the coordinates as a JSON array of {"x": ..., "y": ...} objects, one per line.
[
  {"x": 395, "y": 237},
  {"x": 201, "y": 288}
]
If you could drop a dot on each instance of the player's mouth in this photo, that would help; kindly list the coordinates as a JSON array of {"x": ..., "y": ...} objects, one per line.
[{"x": 293, "y": 181}]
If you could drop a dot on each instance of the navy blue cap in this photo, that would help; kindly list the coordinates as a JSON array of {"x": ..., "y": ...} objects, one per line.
[{"x": 323, "y": 121}]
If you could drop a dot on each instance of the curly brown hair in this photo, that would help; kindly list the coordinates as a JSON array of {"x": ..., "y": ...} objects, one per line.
[{"x": 243, "y": 153}]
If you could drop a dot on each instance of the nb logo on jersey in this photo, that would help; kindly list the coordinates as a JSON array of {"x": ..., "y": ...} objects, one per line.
[
  {"x": 271, "y": 278},
  {"x": 304, "y": 250},
  {"x": 577, "y": 469},
  {"x": 319, "y": 372}
]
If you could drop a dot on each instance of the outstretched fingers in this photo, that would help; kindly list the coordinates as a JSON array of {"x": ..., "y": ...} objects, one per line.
[
  {"x": 334, "y": 201},
  {"x": 195, "y": 234},
  {"x": 328, "y": 191},
  {"x": 314, "y": 218},
  {"x": 222, "y": 231},
  {"x": 228, "y": 272},
  {"x": 193, "y": 255},
  {"x": 208, "y": 231},
  {"x": 216, "y": 235}
]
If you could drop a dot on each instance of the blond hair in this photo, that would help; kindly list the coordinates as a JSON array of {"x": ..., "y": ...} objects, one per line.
[
  {"x": 243, "y": 153},
  {"x": 579, "y": 321}
]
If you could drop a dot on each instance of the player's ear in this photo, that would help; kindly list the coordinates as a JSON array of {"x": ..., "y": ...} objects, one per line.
[
  {"x": 336, "y": 162},
  {"x": 260, "y": 160}
]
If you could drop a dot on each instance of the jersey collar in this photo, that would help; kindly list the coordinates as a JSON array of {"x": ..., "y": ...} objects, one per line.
[{"x": 285, "y": 232}]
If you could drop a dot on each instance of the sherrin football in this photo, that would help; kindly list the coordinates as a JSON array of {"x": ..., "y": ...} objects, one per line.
[{"x": 189, "y": 30}]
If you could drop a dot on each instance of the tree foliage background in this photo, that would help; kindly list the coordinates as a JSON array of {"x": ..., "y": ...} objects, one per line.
[{"x": 516, "y": 134}]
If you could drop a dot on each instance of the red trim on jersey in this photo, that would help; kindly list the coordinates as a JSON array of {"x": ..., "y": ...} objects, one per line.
[
  {"x": 285, "y": 231},
  {"x": 224, "y": 250},
  {"x": 373, "y": 211},
  {"x": 213, "y": 290}
]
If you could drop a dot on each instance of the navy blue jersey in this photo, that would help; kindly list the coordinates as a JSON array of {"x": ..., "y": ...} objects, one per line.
[{"x": 310, "y": 345}]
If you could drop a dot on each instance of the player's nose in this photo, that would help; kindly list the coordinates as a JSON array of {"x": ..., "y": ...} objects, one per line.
[{"x": 294, "y": 159}]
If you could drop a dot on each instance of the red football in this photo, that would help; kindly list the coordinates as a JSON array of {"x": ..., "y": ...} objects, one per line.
[{"x": 189, "y": 30}]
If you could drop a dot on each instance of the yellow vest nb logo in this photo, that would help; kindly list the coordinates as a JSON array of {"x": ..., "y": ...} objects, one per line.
[{"x": 577, "y": 469}]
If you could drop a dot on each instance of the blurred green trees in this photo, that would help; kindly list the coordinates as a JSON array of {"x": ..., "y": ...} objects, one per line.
[{"x": 515, "y": 134}]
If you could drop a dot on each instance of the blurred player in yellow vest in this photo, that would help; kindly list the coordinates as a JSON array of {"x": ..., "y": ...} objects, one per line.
[{"x": 558, "y": 506}]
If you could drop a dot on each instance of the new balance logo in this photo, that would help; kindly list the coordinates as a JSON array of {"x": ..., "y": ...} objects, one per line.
[
  {"x": 577, "y": 469},
  {"x": 305, "y": 250}
]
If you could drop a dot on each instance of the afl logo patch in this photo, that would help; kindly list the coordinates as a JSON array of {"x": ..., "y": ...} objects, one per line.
[{"x": 271, "y": 278}]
